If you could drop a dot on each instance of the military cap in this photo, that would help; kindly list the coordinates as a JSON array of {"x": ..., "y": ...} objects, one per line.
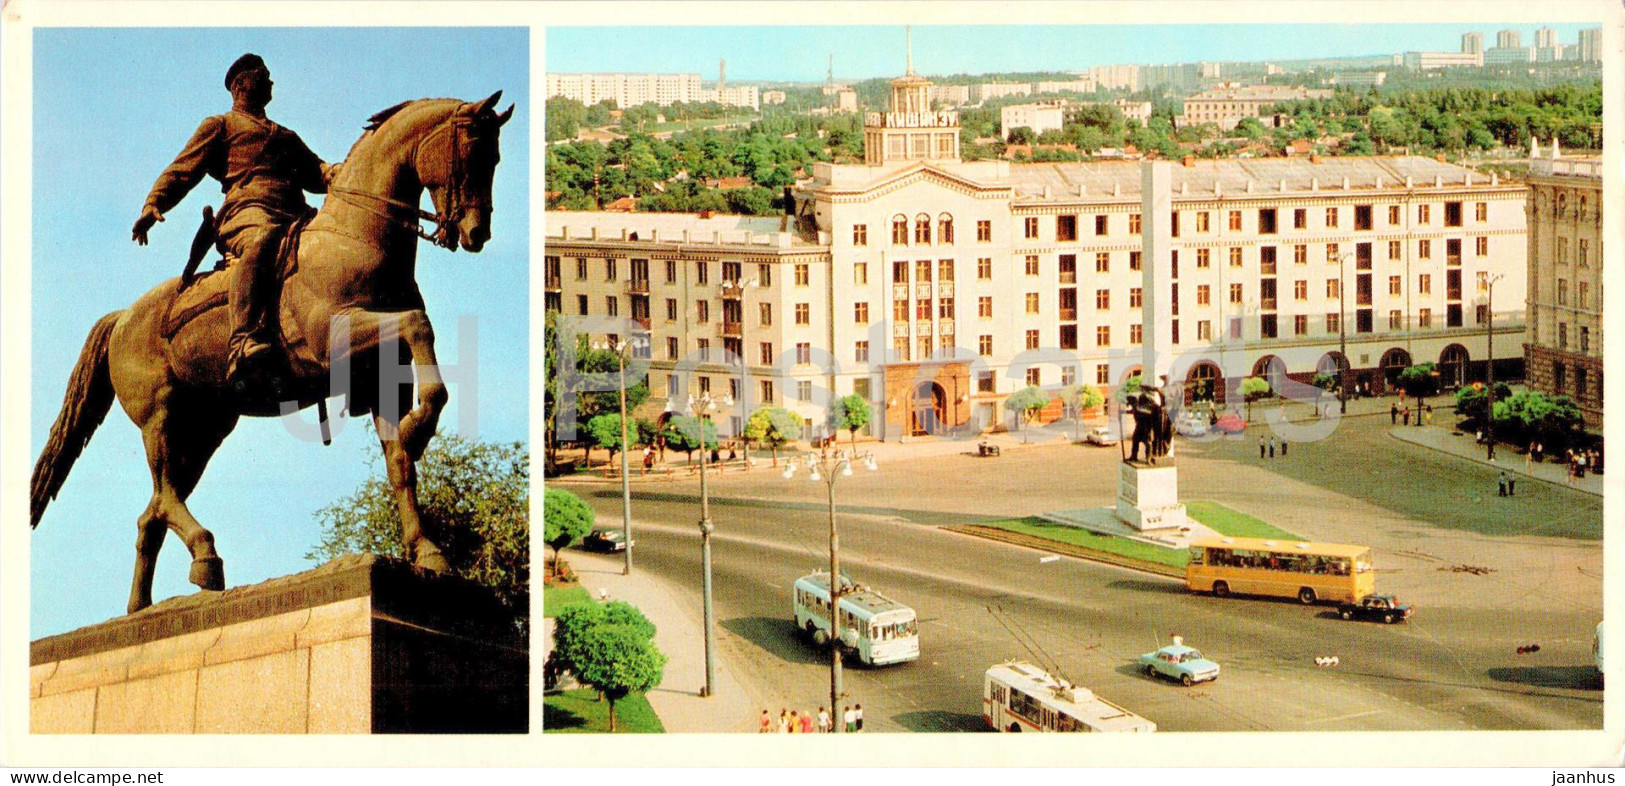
[{"x": 247, "y": 62}]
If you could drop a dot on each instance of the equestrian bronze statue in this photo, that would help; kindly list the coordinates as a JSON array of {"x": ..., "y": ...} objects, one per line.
[
  {"x": 1153, "y": 429},
  {"x": 346, "y": 294}
]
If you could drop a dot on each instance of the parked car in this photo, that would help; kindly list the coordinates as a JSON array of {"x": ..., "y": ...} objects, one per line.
[
  {"x": 1179, "y": 662},
  {"x": 1230, "y": 423},
  {"x": 1100, "y": 435},
  {"x": 1191, "y": 423},
  {"x": 1376, "y": 607},
  {"x": 610, "y": 540}
]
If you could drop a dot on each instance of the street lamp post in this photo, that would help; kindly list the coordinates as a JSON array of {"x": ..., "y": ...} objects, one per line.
[
  {"x": 1342, "y": 337},
  {"x": 1489, "y": 340},
  {"x": 744, "y": 359},
  {"x": 830, "y": 468},
  {"x": 622, "y": 350},
  {"x": 702, "y": 408}
]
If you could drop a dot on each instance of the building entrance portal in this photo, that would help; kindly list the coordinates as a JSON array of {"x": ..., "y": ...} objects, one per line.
[{"x": 929, "y": 410}]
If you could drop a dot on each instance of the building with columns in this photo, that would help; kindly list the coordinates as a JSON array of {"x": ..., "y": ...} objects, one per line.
[
  {"x": 936, "y": 287},
  {"x": 1563, "y": 353}
]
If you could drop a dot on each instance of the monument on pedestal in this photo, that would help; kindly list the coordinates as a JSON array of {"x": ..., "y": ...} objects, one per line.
[{"x": 1148, "y": 492}]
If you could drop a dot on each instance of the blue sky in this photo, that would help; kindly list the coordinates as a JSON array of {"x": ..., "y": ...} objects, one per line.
[
  {"x": 802, "y": 53},
  {"x": 112, "y": 107}
]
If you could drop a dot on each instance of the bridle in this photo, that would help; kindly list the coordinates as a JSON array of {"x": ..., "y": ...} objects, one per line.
[{"x": 457, "y": 200}]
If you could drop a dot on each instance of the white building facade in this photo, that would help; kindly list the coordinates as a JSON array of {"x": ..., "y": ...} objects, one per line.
[{"x": 936, "y": 287}]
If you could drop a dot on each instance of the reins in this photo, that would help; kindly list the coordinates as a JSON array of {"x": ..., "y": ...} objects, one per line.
[{"x": 444, "y": 234}]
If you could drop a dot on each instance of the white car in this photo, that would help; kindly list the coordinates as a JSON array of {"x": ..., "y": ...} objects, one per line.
[
  {"x": 1100, "y": 435},
  {"x": 1191, "y": 423}
]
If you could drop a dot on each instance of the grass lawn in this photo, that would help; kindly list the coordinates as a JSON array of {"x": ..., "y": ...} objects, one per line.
[
  {"x": 1235, "y": 524},
  {"x": 557, "y": 598},
  {"x": 579, "y": 711},
  {"x": 1083, "y": 538},
  {"x": 1220, "y": 518}
]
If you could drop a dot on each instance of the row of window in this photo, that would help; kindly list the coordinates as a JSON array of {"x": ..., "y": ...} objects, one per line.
[
  {"x": 1066, "y": 226},
  {"x": 1583, "y": 252},
  {"x": 732, "y": 272}
]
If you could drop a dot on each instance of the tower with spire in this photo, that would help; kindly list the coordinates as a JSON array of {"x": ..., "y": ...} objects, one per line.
[{"x": 911, "y": 130}]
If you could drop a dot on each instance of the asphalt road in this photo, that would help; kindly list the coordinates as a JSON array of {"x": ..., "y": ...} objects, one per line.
[
  {"x": 1453, "y": 666},
  {"x": 1445, "y": 669}
]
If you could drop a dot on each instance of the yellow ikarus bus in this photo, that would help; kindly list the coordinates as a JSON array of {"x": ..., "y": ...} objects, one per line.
[{"x": 1309, "y": 572}]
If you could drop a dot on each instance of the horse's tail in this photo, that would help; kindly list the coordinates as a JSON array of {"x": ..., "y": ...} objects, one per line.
[{"x": 89, "y": 396}]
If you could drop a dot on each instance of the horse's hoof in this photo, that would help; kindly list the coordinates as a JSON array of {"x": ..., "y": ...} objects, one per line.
[
  {"x": 434, "y": 562},
  {"x": 208, "y": 573}
]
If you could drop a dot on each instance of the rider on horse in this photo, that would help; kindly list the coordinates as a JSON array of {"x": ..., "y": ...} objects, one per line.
[{"x": 264, "y": 170}]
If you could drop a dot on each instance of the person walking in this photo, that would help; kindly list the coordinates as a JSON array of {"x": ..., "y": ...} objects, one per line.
[
  {"x": 1283, "y": 447},
  {"x": 1512, "y": 485},
  {"x": 1261, "y": 447},
  {"x": 1405, "y": 415},
  {"x": 1393, "y": 414},
  {"x": 1501, "y": 484},
  {"x": 823, "y": 721},
  {"x": 784, "y": 721},
  {"x": 806, "y": 723},
  {"x": 795, "y": 722},
  {"x": 1272, "y": 447},
  {"x": 857, "y": 713},
  {"x": 766, "y": 725},
  {"x": 1427, "y": 412},
  {"x": 648, "y": 458}
]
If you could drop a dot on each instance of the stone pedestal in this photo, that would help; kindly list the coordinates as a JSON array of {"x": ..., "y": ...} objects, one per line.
[
  {"x": 361, "y": 645},
  {"x": 1148, "y": 497}
]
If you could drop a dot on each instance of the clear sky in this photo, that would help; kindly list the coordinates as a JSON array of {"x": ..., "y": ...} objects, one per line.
[
  {"x": 112, "y": 107},
  {"x": 802, "y": 53}
]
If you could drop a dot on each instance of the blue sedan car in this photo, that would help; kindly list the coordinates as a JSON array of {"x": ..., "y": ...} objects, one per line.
[{"x": 1179, "y": 662}]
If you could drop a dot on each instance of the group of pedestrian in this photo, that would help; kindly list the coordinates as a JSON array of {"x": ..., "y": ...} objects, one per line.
[
  {"x": 1400, "y": 411},
  {"x": 1579, "y": 461},
  {"x": 795, "y": 722},
  {"x": 1506, "y": 485},
  {"x": 1267, "y": 445}
]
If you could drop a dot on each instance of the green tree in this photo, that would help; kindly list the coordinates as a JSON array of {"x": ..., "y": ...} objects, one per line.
[
  {"x": 774, "y": 427},
  {"x": 475, "y": 501},
  {"x": 1081, "y": 398},
  {"x": 1473, "y": 402},
  {"x": 1027, "y": 403},
  {"x": 684, "y": 433},
  {"x": 1420, "y": 381},
  {"x": 605, "y": 431},
  {"x": 1323, "y": 383},
  {"x": 1253, "y": 389},
  {"x": 1529, "y": 417},
  {"x": 565, "y": 520},
  {"x": 851, "y": 413},
  {"x": 609, "y": 647},
  {"x": 1020, "y": 135},
  {"x": 1250, "y": 128}
]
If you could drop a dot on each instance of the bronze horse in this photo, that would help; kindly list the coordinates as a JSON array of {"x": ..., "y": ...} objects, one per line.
[{"x": 164, "y": 357}]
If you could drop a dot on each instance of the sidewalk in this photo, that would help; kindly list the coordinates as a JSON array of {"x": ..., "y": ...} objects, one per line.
[
  {"x": 681, "y": 637},
  {"x": 1443, "y": 440}
]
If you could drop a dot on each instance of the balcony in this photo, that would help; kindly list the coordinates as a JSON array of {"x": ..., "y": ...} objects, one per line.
[
  {"x": 1069, "y": 314},
  {"x": 1268, "y": 303},
  {"x": 731, "y": 329},
  {"x": 731, "y": 289},
  {"x": 1266, "y": 268},
  {"x": 637, "y": 286},
  {"x": 945, "y": 327},
  {"x": 553, "y": 283},
  {"x": 642, "y": 322},
  {"x": 945, "y": 289}
]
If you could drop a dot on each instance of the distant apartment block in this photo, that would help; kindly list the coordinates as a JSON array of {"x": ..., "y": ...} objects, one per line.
[
  {"x": 1509, "y": 55},
  {"x": 990, "y": 90},
  {"x": 1428, "y": 61},
  {"x": 1591, "y": 45},
  {"x": 1565, "y": 310},
  {"x": 950, "y": 95},
  {"x": 1508, "y": 39},
  {"x": 1181, "y": 78},
  {"x": 846, "y": 101},
  {"x": 1360, "y": 78},
  {"x": 1040, "y": 117},
  {"x": 1472, "y": 43},
  {"x": 1225, "y": 107},
  {"x": 1074, "y": 86},
  {"x": 773, "y": 97},
  {"x": 1115, "y": 77},
  {"x": 1545, "y": 38},
  {"x": 626, "y": 90},
  {"x": 743, "y": 96}
]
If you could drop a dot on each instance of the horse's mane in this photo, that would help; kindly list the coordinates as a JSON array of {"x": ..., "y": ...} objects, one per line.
[{"x": 383, "y": 116}]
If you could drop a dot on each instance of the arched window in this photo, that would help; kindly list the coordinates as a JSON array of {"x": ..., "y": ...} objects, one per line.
[
  {"x": 945, "y": 229},
  {"x": 1580, "y": 212},
  {"x": 1562, "y": 203},
  {"x": 922, "y": 229},
  {"x": 899, "y": 230}
]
